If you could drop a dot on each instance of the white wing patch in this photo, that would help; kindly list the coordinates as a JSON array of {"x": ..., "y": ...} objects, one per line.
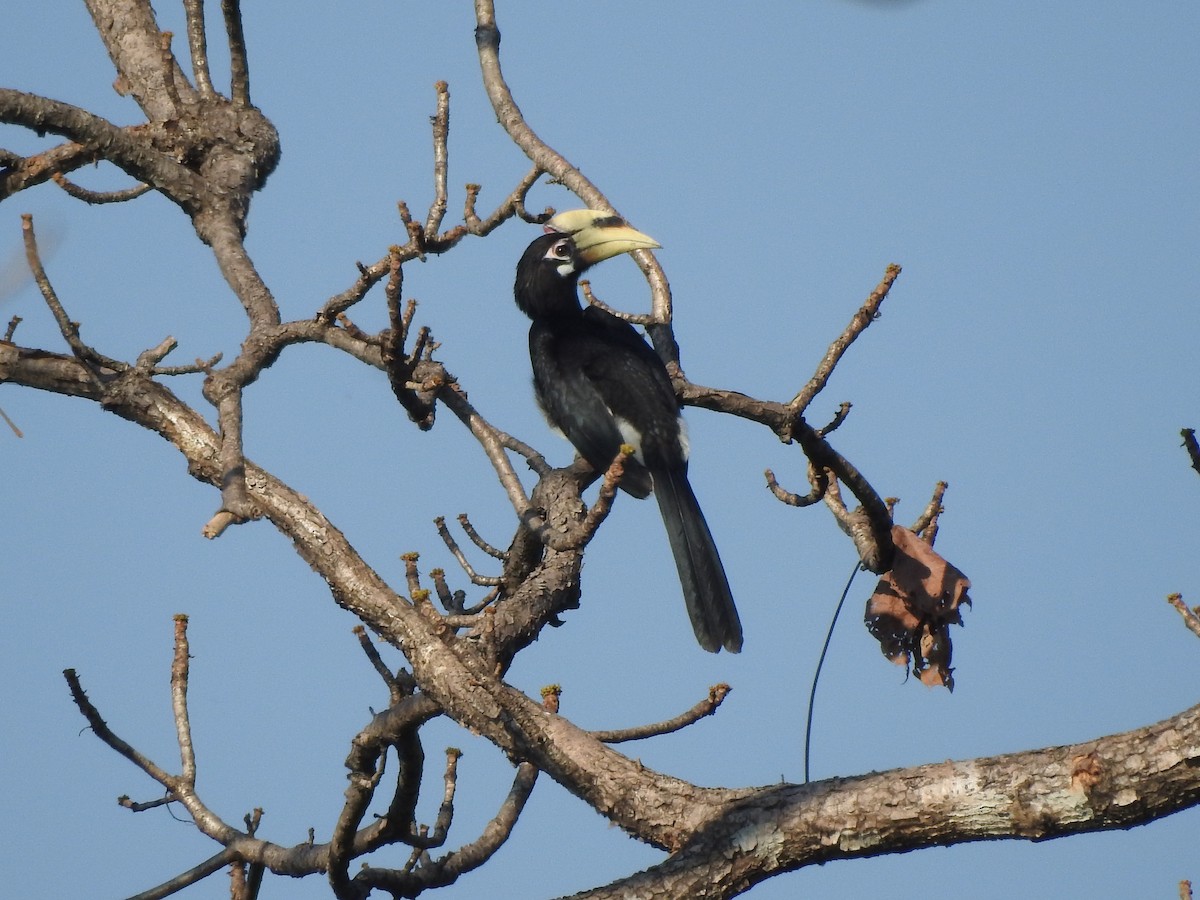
[{"x": 631, "y": 436}]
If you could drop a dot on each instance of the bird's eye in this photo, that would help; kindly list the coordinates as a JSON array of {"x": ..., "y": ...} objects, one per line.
[{"x": 561, "y": 249}]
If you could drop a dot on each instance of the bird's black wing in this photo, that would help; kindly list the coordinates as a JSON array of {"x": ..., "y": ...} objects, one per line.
[
  {"x": 603, "y": 385},
  {"x": 573, "y": 403},
  {"x": 635, "y": 387}
]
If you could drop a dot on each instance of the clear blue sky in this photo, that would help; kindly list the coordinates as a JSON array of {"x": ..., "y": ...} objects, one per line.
[{"x": 1031, "y": 165}]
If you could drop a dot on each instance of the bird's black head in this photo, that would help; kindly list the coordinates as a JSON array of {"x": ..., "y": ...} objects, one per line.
[
  {"x": 548, "y": 273},
  {"x": 548, "y": 276}
]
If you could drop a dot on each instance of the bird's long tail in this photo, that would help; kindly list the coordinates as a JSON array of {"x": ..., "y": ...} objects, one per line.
[{"x": 705, "y": 587}]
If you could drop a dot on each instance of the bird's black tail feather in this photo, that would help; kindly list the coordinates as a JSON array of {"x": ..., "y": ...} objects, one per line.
[{"x": 705, "y": 587}]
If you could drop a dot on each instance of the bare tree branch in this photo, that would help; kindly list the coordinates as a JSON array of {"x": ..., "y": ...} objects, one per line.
[
  {"x": 210, "y": 155},
  {"x": 441, "y": 163},
  {"x": 1191, "y": 617},
  {"x": 134, "y": 43},
  {"x": 706, "y": 707},
  {"x": 864, "y": 317},
  {"x": 98, "y": 197},
  {"x": 818, "y": 479},
  {"x": 239, "y": 82},
  {"x": 125, "y": 148},
  {"x": 18, "y": 173},
  {"x": 927, "y": 523},
  {"x": 633, "y": 318},
  {"x": 513, "y": 205},
  {"x": 186, "y": 879},
  {"x": 197, "y": 47},
  {"x": 1114, "y": 782},
  {"x": 487, "y": 42},
  {"x": 1192, "y": 447},
  {"x": 68, "y": 329}
]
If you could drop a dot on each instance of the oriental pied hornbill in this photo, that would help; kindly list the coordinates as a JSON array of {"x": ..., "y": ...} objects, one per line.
[{"x": 601, "y": 385}]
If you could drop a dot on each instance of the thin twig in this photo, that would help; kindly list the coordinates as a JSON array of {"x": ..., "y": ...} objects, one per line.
[
  {"x": 452, "y": 601},
  {"x": 368, "y": 277},
  {"x": 452, "y": 546},
  {"x": 445, "y": 816},
  {"x": 535, "y": 460},
  {"x": 818, "y": 478},
  {"x": 135, "y": 806},
  {"x": 839, "y": 417},
  {"x": 100, "y": 197},
  {"x": 101, "y": 730},
  {"x": 441, "y": 161},
  {"x": 412, "y": 575},
  {"x": 472, "y": 611},
  {"x": 633, "y": 318},
  {"x": 608, "y": 491},
  {"x": 1191, "y": 617},
  {"x": 396, "y": 690},
  {"x": 399, "y": 363},
  {"x": 25, "y": 172},
  {"x": 179, "y": 689},
  {"x": 927, "y": 523},
  {"x": 191, "y": 876},
  {"x": 706, "y": 707},
  {"x": 366, "y": 764},
  {"x": 148, "y": 359},
  {"x": 478, "y": 541},
  {"x": 197, "y": 49},
  {"x": 200, "y": 366},
  {"x": 169, "y": 66},
  {"x": 130, "y": 149},
  {"x": 514, "y": 204},
  {"x": 11, "y": 424},
  {"x": 239, "y": 67},
  {"x": 68, "y": 329},
  {"x": 861, "y": 319},
  {"x": 489, "y": 438},
  {"x": 1193, "y": 449},
  {"x": 422, "y": 871}
]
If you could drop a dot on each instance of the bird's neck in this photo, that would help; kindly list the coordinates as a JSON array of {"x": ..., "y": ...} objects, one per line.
[{"x": 550, "y": 306}]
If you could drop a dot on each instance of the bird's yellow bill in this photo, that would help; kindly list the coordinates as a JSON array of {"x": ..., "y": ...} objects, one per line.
[{"x": 599, "y": 235}]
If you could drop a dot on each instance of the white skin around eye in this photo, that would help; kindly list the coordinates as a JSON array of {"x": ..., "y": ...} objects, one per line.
[{"x": 562, "y": 251}]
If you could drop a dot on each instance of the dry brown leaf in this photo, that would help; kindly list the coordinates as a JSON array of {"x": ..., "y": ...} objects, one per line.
[{"x": 913, "y": 607}]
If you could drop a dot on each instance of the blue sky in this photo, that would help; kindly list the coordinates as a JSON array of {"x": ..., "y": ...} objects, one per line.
[{"x": 1032, "y": 167}]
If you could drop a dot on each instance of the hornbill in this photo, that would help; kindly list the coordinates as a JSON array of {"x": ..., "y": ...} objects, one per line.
[{"x": 601, "y": 385}]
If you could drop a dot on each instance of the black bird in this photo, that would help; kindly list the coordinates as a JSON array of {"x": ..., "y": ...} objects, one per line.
[{"x": 601, "y": 385}]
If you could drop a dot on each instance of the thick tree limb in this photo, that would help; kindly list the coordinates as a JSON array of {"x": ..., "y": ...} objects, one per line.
[
  {"x": 460, "y": 682},
  {"x": 1114, "y": 782},
  {"x": 18, "y": 172},
  {"x": 134, "y": 43},
  {"x": 122, "y": 147}
]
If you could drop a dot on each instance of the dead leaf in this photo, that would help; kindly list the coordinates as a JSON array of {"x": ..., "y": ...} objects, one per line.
[{"x": 913, "y": 607}]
